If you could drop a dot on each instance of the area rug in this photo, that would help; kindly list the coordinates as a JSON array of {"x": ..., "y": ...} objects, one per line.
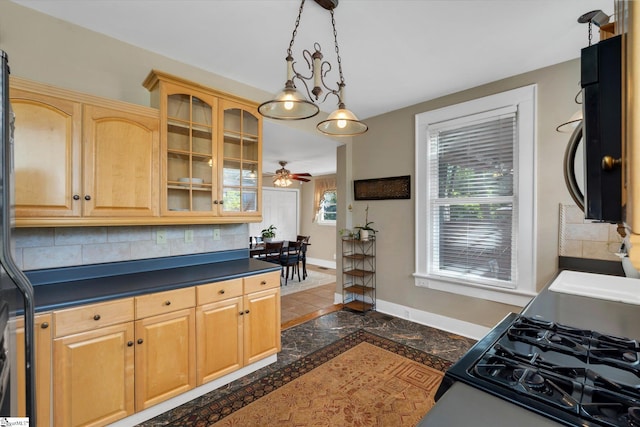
[
  {"x": 361, "y": 380},
  {"x": 313, "y": 280}
]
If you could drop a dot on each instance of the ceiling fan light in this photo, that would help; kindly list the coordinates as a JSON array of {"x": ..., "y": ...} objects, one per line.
[
  {"x": 288, "y": 104},
  {"x": 342, "y": 122}
]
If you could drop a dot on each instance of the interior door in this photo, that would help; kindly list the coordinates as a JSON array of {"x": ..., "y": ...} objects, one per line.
[{"x": 280, "y": 207}]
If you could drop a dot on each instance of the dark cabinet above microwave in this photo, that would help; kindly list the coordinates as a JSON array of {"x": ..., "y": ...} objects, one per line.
[{"x": 601, "y": 80}]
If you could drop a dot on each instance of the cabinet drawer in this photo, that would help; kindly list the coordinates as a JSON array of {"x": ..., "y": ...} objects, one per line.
[
  {"x": 219, "y": 291},
  {"x": 88, "y": 317},
  {"x": 165, "y": 302},
  {"x": 260, "y": 282}
]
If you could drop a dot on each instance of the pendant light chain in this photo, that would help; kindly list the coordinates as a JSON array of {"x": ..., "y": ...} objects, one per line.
[
  {"x": 295, "y": 29},
  {"x": 335, "y": 39},
  {"x": 290, "y": 104}
]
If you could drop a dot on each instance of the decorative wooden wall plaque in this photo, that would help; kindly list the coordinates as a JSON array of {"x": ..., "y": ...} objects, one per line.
[{"x": 395, "y": 187}]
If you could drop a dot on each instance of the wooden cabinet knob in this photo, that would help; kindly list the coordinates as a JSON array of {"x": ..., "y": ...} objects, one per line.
[
  {"x": 242, "y": 313},
  {"x": 140, "y": 340},
  {"x": 76, "y": 197},
  {"x": 264, "y": 282},
  {"x": 246, "y": 312},
  {"x": 167, "y": 302},
  {"x": 215, "y": 202},
  {"x": 221, "y": 291},
  {"x": 45, "y": 325},
  {"x": 129, "y": 343},
  {"x": 87, "y": 197},
  {"x": 96, "y": 317}
]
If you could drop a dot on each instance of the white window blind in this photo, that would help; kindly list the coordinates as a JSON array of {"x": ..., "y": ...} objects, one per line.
[{"x": 472, "y": 198}]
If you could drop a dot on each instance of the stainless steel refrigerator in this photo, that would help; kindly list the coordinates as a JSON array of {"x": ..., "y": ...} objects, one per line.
[{"x": 16, "y": 292}]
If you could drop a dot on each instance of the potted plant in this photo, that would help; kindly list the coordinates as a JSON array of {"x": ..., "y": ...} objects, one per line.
[
  {"x": 366, "y": 229},
  {"x": 268, "y": 234}
]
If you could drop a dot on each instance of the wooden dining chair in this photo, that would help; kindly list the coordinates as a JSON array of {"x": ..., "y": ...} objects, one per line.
[
  {"x": 272, "y": 252},
  {"x": 290, "y": 259},
  {"x": 303, "y": 253}
]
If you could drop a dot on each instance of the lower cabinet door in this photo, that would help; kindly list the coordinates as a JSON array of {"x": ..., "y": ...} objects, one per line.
[
  {"x": 42, "y": 337},
  {"x": 219, "y": 338},
  {"x": 165, "y": 357},
  {"x": 93, "y": 376},
  {"x": 261, "y": 325}
]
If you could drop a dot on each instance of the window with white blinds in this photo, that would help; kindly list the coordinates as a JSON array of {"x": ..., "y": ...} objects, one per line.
[
  {"x": 475, "y": 197},
  {"x": 471, "y": 197}
]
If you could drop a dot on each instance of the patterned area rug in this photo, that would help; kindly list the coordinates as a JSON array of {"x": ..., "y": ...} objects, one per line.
[
  {"x": 313, "y": 280},
  {"x": 360, "y": 380}
]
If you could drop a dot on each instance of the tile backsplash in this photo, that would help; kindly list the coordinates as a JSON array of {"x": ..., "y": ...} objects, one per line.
[
  {"x": 37, "y": 248},
  {"x": 582, "y": 238}
]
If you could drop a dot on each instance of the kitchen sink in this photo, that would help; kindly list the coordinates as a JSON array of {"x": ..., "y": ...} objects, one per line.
[{"x": 601, "y": 286}]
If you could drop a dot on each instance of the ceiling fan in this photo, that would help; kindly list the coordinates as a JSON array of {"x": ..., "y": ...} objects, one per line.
[{"x": 283, "y": 177}]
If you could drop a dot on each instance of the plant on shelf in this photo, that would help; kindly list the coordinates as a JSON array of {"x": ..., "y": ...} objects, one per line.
[
  {"x": 367, "y": 228},
  {"x": 268, "y": 234}
]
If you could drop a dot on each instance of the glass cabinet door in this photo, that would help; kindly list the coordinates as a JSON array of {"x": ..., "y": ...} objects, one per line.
[
  {"x": 191, "y": 162},
  {"x": 240, "y": 159}
]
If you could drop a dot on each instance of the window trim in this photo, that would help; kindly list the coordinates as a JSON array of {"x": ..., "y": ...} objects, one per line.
[{"x": 524, "y": 99}]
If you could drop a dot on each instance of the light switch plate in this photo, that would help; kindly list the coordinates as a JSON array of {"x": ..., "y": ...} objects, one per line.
[
  {"x": 188, "y": 236},
  {"x": 216, "y": 233}
]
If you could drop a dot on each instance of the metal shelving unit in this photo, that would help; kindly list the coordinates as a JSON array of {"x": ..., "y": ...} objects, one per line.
[{"x": 359, "y": 274}]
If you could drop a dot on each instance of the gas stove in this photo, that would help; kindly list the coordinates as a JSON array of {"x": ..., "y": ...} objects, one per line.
[{"x": 573, "y": 376}]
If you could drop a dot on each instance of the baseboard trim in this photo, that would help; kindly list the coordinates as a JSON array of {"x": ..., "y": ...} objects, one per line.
[
  {"x": 170, "y": 404},
  {"x": 449, "y": 324},
  {"x": 322, "y": 263}
]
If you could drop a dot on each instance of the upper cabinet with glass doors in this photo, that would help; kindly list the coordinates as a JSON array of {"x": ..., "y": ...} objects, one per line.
[
  {"x": 211, "y": 152},
  {"x": 240, "y": 157}
]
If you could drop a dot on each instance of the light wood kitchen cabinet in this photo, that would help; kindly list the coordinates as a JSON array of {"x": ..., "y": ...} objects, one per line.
[
  {"x": 219, "y": 329},
  {"x": 165, "y": 346},
  {"x": 93, "y": 359},
  {"x": 115, "y": 358},
  {"x": 47, "y": 152},
  {"x": 83, "y": 160},
  {"x": 240, "y": 154},
  {"x": 261, "y": 325},
  {"x": 42, "y": 338},
  {"x": 261, "y": 305},
  {"x": 211, "y": 147},
  {"x": 121, "y": 163},
  {"x": 238, "y": 323}
]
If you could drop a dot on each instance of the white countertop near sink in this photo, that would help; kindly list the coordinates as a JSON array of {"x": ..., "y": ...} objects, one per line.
[{"x": 600, "y": 286}]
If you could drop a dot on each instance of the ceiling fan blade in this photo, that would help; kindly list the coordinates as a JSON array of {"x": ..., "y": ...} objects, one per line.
[
  {"x": 298, "y": 178},
  {"x": 302, "y": 174}
]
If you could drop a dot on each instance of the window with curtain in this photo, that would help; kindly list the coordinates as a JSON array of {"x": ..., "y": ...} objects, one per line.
[
  {"x": 328, "y": 208},
  {"x": 475, "y": 191},
  {"x": 325, "y": 200}
]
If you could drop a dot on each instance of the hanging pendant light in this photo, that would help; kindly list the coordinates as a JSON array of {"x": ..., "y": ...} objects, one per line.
[{"x": 290, "y": 104}]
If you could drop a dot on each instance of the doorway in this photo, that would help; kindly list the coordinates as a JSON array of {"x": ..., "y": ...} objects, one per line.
[{"x": 280, "y": 207}]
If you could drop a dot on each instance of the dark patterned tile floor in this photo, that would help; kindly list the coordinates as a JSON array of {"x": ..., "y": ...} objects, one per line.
[{"x": 308, "y": 337}]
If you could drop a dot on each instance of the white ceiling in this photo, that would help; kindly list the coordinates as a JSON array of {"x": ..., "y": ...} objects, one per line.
[{"x": 395, "y": 53}]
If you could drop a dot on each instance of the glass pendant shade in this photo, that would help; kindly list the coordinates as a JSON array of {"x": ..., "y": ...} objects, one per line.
[
  {"x": 288, "y": 104},
  {"x": 342, "y": 122}
]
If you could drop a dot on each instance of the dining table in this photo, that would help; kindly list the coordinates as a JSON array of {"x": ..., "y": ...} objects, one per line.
[{"x": 257, "y": 250}]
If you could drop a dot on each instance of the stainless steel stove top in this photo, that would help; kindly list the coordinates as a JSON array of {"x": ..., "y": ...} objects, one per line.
[{"x": 571, "y": 359}]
